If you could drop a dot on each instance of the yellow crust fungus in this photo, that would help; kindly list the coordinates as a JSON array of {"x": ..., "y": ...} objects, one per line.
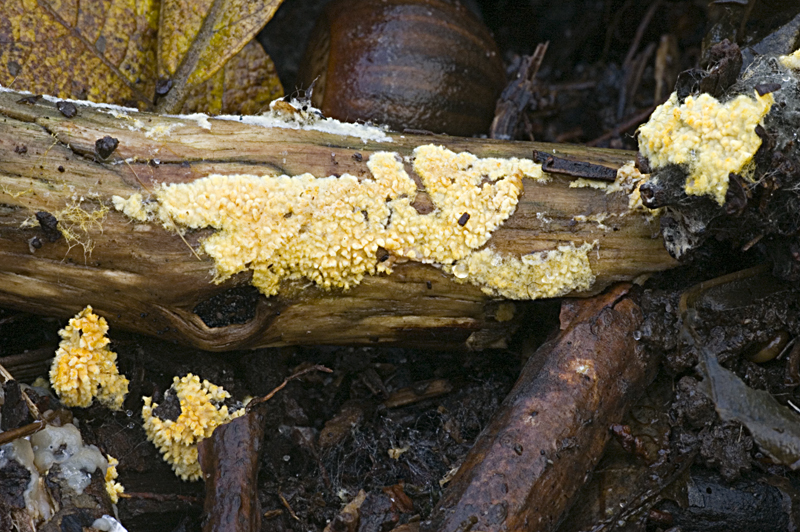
[
  {"x": 711, "y": 138},
  {"x": 202, "y": 411},
  {"x": 84, "y": 367},
  {"x": 113, "y": 488},
  {"x": 533, "y": 276},
  {"x": 588, "y": 183},
  {"x": 330, "y": 229},
  {"x": 133, "y": 207},
  {"x": 791, "y": 61},
  {"x": 628, "y": 180}
]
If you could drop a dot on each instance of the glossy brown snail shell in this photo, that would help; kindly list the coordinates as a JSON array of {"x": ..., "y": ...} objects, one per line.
[{"x": 410, "y": 64}]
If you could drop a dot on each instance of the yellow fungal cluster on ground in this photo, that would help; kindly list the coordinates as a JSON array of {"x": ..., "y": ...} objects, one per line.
[
  {"x": 113, "y": 488},
  {"x": 202, "y": 411},
  {"x": 84, "y": 367},
  {"x": 335, "y": 230},
  {"x": 711, "y": 138}
]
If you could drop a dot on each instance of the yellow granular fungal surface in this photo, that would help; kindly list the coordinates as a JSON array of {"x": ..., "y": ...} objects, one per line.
[
  {"x": 202, "y": 411},
  {"x": 791, "y": 61},
  {"x": 712, "y": 139},
  {"x": 133, "y": 207},
  {"x": 113, "y": 488},
  {"x": 84, "y": 367},
  {"x": 628, "y": 180},
  {"x": 330, "y": 229},
  {"x": 537, "y": 275}
]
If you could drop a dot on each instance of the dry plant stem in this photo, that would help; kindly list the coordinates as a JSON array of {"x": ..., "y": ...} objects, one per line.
[
  {"x": 527, "y": 465},
  {"x": 229, "y": 459},
  {"x": 257, "y": 401},
  {"x": 145, "y": 279},
  {"x": 21, "y": 432}
]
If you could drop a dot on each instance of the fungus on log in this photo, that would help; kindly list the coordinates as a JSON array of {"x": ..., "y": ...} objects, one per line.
[{"x": 410, "y": 267}]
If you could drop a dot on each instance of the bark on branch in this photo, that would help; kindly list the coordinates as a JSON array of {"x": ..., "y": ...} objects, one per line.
[{"x": 145, "y": 278}]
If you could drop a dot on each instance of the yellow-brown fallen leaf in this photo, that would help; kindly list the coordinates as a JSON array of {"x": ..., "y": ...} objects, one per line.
[
  {"x": 101, "y": 51},
  {"x": 115, "y": 51},
  {"x": 245, "y": 85},
  {"x": 197, "y": 37}
]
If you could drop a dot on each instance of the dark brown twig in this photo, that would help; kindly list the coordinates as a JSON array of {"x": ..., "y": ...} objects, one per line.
[{"x": 282, "y": 385}]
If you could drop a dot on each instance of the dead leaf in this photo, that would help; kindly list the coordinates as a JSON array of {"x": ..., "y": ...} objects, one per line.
[
  {"x": 245, "y": 85},
  {"x": 106, "y": 50},
  {"x": 197, "y": 37},
  {"x": 101, "y": 51}
]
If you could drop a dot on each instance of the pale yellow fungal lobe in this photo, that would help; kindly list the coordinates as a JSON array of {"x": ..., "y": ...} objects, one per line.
[
  {"x": 113, "y": 488},
  {"x": 628, "y": 181},
  {"x": 537, "y": 275},
  {"x": 588, "y": 183},
  {"x": 132, "y": 207},
  {"x": 84, "y": 367},
  {"x": 202, "y": 411},
  {"x": 160, "y": 131},
  {"x": 712, "y": 139},
  {"x": 791, "y": 61}
]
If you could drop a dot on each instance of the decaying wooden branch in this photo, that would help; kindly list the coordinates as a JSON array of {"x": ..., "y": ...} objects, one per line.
[
  {"x": 527, "y": 465},
  {"x": 145, "y": 278},
  {"x": 229, "y": 459}
]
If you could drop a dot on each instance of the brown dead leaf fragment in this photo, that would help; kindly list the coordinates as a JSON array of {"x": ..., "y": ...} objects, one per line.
[
  {"x": 197, "y": 37},
  {"x": 101, "y": 51},
  {"x": 245, "y": 85}
]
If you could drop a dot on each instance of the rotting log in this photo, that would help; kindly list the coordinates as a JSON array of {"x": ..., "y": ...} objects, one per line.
[
  {"x": 527, "y": 465},
  {"x": 145, "y": 278}
]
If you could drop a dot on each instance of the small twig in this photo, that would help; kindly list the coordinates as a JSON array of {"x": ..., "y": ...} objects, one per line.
[
  {"x": 536, "y": 60},
  {"x": 635, "y": 79},
  {"x": 282, "y": 385},
  {"x": 640, "y": 32},
  {"x": 628, "y": 65},
  {"x": 635, "y": 120},
  {"x": 21, "y": 432},
  {"x": 288, "y": 507},
  {"x": 136, "y": 176}
]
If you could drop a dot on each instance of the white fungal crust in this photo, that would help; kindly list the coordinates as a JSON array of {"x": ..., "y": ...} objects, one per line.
[
  {"x": 334, "y": 230},
  {"x": 711, "y": 138},
  {"x": 628, "y": 180}
]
